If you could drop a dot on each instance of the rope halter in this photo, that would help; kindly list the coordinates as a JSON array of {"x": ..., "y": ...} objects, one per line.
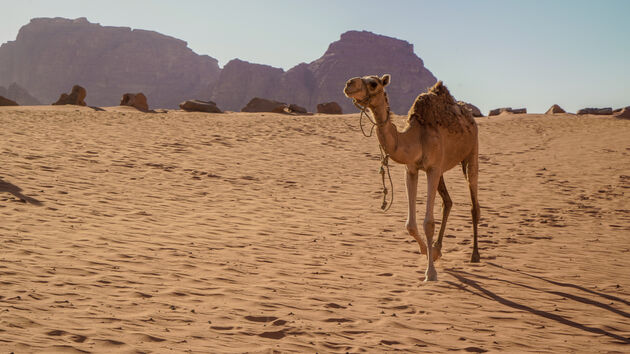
[{"x": 362, "y": 105}]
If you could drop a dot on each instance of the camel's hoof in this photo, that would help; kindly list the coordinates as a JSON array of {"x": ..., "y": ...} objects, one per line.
[
  {"x": 436, "y": 252},
  {"x": 475, "y": 258},
  {"x": 430, "y": 276}
]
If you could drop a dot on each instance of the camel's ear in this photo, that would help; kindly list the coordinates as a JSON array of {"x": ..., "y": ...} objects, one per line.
[{"x": 386, "y": 79}]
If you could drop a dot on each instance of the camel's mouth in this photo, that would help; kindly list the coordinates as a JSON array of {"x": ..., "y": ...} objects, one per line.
[
  {"x": 348, "y": 92},
  {"x": 353, "y": 87}
]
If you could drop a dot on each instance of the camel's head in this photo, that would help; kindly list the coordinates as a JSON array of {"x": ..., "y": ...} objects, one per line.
[{"x": 362, "y": 89}]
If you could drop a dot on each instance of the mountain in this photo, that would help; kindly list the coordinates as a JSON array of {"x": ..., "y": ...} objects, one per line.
[
  {"x": 50, "y": 55},
  {"x": 365, "y": 53},
  {"x": 19, "y": 94},
  {"x": 354, "y": 54},
  {"x": 241, "y": 81}
]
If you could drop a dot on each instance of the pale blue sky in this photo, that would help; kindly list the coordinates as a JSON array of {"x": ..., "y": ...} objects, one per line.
[{"x": 528, "y": 53}]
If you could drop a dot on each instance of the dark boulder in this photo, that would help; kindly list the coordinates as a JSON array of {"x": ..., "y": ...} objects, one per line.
[
  {"x": 7, "y": 102},
  {"x": 329, "y": 108},
  {"x": 137, "y": 100},
  {"x": 258, "y": 104},
  {"x": 76, "y": 97},
  {"x": 200, "y": 106},
  {"x": 476, "y": 112},
  {"x": 596, "y": 111}
]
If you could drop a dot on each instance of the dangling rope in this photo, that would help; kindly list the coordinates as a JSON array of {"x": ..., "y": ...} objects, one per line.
[
  {"x": 385, "y": 167},
  {"x": 364, "y": 113},
  {"x": 362, "y": 106}
]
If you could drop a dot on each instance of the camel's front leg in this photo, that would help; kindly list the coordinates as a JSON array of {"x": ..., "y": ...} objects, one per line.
[
  {"x": 412, "y": 188},
  {"x": 433, "y": 179}
]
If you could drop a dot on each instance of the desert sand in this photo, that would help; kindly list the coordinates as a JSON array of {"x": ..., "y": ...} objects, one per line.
[{"x": 245, "y": 232}]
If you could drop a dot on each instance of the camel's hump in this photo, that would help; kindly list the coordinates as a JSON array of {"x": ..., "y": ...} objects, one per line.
[{"x": 437, "y": 107}]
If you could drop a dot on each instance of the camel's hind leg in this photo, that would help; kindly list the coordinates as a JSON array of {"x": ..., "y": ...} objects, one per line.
[
  {"x": 446, "y": 209},
  {"x": 471, "y": 170}
]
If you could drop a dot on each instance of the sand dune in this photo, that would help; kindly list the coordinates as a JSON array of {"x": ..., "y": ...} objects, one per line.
[{"x": 131, "y": 232}]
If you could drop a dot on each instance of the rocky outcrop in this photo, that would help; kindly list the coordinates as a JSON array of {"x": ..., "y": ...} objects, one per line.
[
  {"x": 596, "y": 111},
  {"x": 365, "y": 53},
  {"x": 258, "y": 104},
  {"x": 329, "y": 108},
  {"x": 7, "y": 102},
  {"x": 507, "y": 110},
  {"x": 137, "y": 100},
  {"x": 293, "y": 108},
  {"x": 555, "y": 109},
  {"x": 355, "y": 54},
  {"x": 623, "y": 113},
  {"x": 497, "y": 111},
  {"x": 476, "y": 112},
  {"x": 75, "y": 97},
  {"x": 199, "y": 106},
  {"x": 19, "y": 94},
  {"x": 51, "y": 54}
]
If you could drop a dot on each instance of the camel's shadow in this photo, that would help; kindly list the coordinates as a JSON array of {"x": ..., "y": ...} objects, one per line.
[
  {"x": 473, "y": 283},
  {"x": 17, "y": 192}
]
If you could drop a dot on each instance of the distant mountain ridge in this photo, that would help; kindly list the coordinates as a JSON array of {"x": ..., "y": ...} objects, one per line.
[
  {"x": 50, "y": 55},
  {"x": 19, "y": 94}
]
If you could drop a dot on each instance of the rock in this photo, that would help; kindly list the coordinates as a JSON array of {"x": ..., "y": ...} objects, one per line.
[
  {"x": 51, "y": 54},
  {"x": 476, "y": 112},
  {"x": 555, "y": 109},
  {"x": 7, "y": 102},
  {"x": 200, "y": 106},
  {"x": 507, "y": 110},
  {"x": 293, "y": 108},
  {"x": 257, "y": 104},
  {"x": 137, "y": 100},
  {"x": 76, "y": 97},
  {"x": 596, "y": 111},
  {"x": 497, "y": 111},
  {"x": 623, "y": 113},
  {"x": 329, "y": 108},
  {"x": 519, "y": 111},
  {"x": 19, "y": 94}
]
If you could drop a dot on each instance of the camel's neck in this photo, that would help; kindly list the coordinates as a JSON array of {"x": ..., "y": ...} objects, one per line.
[{"x": 386, "y": 131}]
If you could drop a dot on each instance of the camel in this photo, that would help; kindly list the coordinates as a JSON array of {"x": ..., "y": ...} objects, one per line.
[{"x": 439, "y": 135}]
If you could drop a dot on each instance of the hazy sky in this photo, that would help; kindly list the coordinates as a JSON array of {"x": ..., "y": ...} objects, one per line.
[{"x": 500, "y": 53}]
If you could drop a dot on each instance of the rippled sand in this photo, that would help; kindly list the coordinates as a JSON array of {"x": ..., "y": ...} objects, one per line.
[{"x": 131, "y": 232}]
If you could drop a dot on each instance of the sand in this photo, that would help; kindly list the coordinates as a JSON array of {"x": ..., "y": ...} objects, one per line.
[{"x": 217, "y": 233}]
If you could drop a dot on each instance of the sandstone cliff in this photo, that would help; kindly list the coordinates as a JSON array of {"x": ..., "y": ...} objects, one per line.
[
  {"x": 51, "y": 54},
  {"x": 241, "y": 81},
  {"x": 355, "y": 54},
  {"x": 365, "y": 53}
]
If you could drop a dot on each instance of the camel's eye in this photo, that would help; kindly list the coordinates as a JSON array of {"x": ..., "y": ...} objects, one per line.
[{"x": 373, "y": 85}]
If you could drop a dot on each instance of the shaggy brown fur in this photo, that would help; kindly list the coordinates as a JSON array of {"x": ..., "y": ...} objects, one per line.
[{"x": 438, "y": 108}]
